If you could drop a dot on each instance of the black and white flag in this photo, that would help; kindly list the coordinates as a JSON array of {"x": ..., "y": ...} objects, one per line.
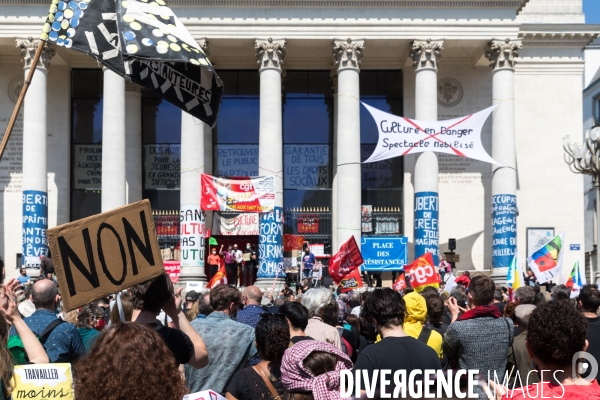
[{"x": 142, "y": 41}]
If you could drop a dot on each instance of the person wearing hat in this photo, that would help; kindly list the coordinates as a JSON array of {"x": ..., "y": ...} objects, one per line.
[
  {"x": 190, "y": 298},
  {"x": 517, "y": 353}
]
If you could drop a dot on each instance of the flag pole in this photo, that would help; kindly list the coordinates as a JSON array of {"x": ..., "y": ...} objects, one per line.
[{"x": 13, "y": 118}]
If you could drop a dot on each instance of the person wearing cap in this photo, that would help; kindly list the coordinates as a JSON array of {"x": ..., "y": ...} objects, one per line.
[
  {"x": 190, "y": 298},
  {"x": 517, "y": 353}
]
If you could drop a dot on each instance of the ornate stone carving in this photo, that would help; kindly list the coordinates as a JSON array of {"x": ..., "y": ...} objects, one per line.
[
  {"x": 425, "y": 54},
  {"x": 29, "y": 47},
  {"x": 347, "y": 54},
  {"x": 450, "y": 92},
  {"x": 502, "y": 53},
  {"x": 270, "y": 53}
]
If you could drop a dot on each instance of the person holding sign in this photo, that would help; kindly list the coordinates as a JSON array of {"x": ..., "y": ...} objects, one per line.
[{"x": 250, "y": 261}]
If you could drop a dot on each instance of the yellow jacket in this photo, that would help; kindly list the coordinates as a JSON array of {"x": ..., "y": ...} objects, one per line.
[{"x": 416, "y": 314}]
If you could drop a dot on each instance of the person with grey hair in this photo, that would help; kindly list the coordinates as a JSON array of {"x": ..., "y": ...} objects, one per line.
[
  {"x": 517, "y": 353},
  {"x": 525, "y": 295},
  {"x": 561, "y": 292},
  {"x": 317, "y": 301}
]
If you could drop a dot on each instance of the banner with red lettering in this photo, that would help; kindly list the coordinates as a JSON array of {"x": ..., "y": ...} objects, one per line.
[
  {"x": 422, "y": 273},
  {"x": 173, "y": 269},
  {"x": 245, "y": 224},
  {"x": 238, "y": 194},
  {"x": 292, "y": 242},
  {"x": 308, "y": 223},
  {"x": 351, "y": 281},
  {"x": 345, "y": 261},
  {"x": 400, "y": 283}
]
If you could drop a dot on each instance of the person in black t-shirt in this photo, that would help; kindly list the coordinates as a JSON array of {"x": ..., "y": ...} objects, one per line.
[
  {"x": 589, "y": 301},
  {"x": 385, "y": 308},
  {"x": 184, "y": 342},
  {"x": 250, "y": 262},
  {"x": 297, "y": 317}
]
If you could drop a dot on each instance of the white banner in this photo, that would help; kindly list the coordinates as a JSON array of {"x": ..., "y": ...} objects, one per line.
[
  {"x": 400, "y": 136},
  {"x": 244, "y": 224},
  {"x": 191, "y": 234}
]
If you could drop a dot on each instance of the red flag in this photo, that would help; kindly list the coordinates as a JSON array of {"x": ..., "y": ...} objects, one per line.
[
  {"x": 292, "y": 242},
  {"x": 345, "y": 261},
  {"x": 220, "y": 277},
  {"x": 351, "y": 281},
  {"x": 422, "y": 273},
  {"x": 400, "y": 283}
]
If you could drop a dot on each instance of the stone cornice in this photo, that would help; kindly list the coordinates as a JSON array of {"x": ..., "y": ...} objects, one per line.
[
  {"x": 516, "y": 4},
  {"x": 558, "y": 35}
]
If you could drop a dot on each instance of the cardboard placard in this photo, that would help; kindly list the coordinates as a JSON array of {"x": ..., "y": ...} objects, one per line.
[
  {"x": 105, "y": 253},
  {"x": 43, "y": 381}
]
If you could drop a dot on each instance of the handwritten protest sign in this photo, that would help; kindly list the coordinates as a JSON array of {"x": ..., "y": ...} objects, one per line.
[
  {"x": 43, "y": 381},
  {"x": 105, "y": 253}
]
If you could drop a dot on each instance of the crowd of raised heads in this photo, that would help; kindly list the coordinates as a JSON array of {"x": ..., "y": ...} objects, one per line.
[{"x": 150, "y": 342}]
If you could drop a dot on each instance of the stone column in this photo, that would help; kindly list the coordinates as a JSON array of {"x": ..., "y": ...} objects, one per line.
[
  {"x": 425, "y": 56},
  {"x": 35, "y": 181},
  {"x": 270, "y": 54},
  {"x": 192, "y": 219},
  {"x": 334, "y": 189},
  {"x": 347, "y": 55},
  {"x": 133, "y": 142},
  {"x": 113, "y": 142},
  {"x": 502, "y": 54}
]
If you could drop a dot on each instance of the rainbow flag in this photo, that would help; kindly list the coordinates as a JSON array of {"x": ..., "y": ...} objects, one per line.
[
  {"x": 515, "y": 276},
  {"x": 220, "y": 277},
  {"x": 576, "y": 280},
  {"x": 546, "y": 262}
]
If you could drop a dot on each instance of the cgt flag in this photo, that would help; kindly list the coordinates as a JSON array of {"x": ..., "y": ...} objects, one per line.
[
  {"x": 143, "y": 42},
  {"x": 422, "y": 273},
  {"x": 345, "y": 261},
  {"x": 220, "y": 277},
  {"x": 400, "y": 283},
  {"x": 351, "y": 281}
]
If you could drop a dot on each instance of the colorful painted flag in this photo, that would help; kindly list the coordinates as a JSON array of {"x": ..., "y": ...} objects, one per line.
[
  {"x": 351, "y": 281},
  {"x": 515, "y": 275},
  {"x": 143, "y": 42},
  {"x": 576, "y": 280},
  {"x": 220, "y": 277},
  {"x": 345, "y": 261},
  {"x": 400, "y": 283},
  {"x": 292, "y": 242},
  {"x": 422, "y": 273},
  {"x": 546, "y": 262}
]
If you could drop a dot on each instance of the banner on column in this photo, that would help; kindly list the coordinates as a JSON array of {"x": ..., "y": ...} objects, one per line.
[
  {"x": 191, "y": 233},
  {"x": 35, "y": 224},
  {"x": 382, "y": 254},
  {"x": 400, "y": 136},
  {"x": 504, "y": 229},
  {"x": 427, "y": 236},
  {"x": 270, "y": 244},
  {"x": 242, "y": 194}
]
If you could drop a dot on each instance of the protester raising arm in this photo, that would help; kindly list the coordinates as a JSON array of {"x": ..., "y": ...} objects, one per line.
[
  {"x": 173, "y": 309},
  {"x": 33, "y": 347}
]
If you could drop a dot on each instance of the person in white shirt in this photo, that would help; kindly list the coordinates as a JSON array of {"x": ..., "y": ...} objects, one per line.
[{"x": 239, "y": 258}]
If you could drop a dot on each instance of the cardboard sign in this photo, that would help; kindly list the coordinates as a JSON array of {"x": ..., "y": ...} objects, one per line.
[
  {"x": 43, "y": 381},
  {"x": 105, "y": 253}
]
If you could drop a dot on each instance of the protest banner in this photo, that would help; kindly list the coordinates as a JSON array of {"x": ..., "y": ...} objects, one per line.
[
  {"x": 400, "y": 136},
  {"x": 240, "y": 194},
  {"x": 162, "y": 166},
  {"x": 422, "y": 273},
  {"x": 196, "y": 286},
  {"x": 383, "y": 254},
  {"x": 173, "y": 269},
  {"x": 345, "y": 261},
  {"x": 191, "y": 235},
  {"x": 245, "y": 224},
  {"x": 450, "y": 283},
  {"x": 292, "y": 242},
  {"x": 43, "y": 381},
  {"x": 306, "y": 166},
  {"x": 427, "y": 235},
  {"x": 105, "y": 253},
  {"x": 351, "y": 281},
  {"x": 35, "y": 223},
  {"x": 546, "y": 262},
  {"x": 204, "y": 395},
  {"x": 399, "y": 283}
]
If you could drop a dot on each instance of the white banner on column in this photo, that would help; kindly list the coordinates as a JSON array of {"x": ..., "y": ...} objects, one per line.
[
  {"x": 400, "y": 136},
  {"x": 191, "y": 234}
]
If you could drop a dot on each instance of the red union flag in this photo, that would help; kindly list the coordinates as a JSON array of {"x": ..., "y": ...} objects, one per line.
[
  {"x": 292, "y": 242},
  {"x": 351, "y": 281},
  {"x": 400, "y": 283},
  {"x": 238, "y": 194},
  {"x": 422, "y": 273},
  {"x": 345, "y": 261}
]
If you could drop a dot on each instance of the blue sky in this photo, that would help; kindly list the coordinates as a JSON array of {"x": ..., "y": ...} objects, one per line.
[{"x": 591, "y": 8}]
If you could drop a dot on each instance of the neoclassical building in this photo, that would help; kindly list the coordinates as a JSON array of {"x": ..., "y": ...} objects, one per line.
[{"x": 294, "y": 73}]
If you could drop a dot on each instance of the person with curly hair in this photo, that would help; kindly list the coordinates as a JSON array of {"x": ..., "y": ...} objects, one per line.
[
  {"x": 263, "y": 380},
  {"x": 151, "y": 372},
  {"x": 555, "y": 334}
]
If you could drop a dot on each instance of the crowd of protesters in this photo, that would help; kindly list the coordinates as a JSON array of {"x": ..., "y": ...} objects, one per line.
[{"x": 151, "y": 342}]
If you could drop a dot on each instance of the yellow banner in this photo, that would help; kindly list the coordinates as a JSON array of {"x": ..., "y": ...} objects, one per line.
[{"x": 43, "y": 381}]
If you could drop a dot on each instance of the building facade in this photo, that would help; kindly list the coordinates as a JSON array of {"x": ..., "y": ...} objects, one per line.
[{"x": 295, "y": 72}]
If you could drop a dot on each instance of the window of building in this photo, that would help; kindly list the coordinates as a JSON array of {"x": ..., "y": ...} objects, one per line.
[
  {"x": 596, "y": 110},
  {"x": 86, "y": 142}
]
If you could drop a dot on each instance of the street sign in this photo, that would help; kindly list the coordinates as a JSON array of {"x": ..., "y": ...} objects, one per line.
[
  {"x": 574, "y": 247},
  {"x": 381, "y": 254}
]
